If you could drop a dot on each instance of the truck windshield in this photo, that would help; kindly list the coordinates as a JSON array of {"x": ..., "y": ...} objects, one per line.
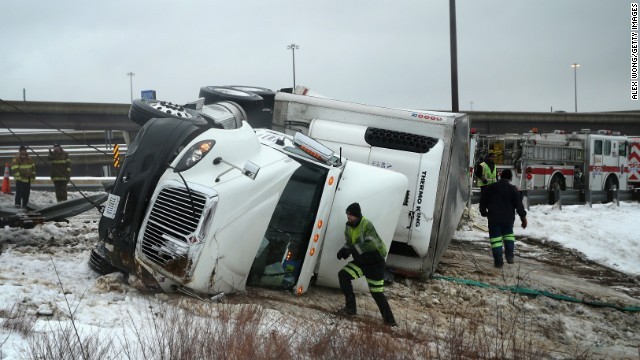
[{"x": 283, "y": 248}]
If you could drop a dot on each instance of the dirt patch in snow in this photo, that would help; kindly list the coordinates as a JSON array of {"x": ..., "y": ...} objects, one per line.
[{"x": 566, "y": 329}]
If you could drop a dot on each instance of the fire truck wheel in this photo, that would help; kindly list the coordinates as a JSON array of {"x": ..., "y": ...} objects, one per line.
[
  {"x": 142, "y": 110},
  {"x": 611, "y": 182},
  {"x": 557, "y": 183}
]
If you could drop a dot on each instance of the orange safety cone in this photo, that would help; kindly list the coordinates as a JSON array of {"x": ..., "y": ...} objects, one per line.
[{"x": 6, "y": 185}]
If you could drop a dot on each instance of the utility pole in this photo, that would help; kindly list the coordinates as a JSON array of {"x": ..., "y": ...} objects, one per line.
[
  {"x": 293, "y": 48},
  {"x": 575, "y": 67},
  {"x": 454, "y": 55},
  {"x": 131, "y": 75}
]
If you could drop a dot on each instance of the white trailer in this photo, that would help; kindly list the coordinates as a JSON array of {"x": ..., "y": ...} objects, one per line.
[{"x": 430, "y": 148}]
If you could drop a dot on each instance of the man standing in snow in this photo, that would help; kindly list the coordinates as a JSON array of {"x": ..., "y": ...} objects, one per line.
[
  {"x": 60, "y": 171},
  {"x": 499, "y": 202},
  {"x": 485, "y": 172},
  {"x": 369, "y": 252},
  {"x": 24, "y": 172}
]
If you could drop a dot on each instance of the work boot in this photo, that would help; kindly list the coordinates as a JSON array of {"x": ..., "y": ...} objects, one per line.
[
  {"x": 510, "y": 261},
  {"x": 385, "y": 309},
  {"x": 347, "y": 312}
]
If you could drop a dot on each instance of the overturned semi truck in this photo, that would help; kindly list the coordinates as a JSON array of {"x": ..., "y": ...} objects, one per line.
[{"x": 205, "y": 204}]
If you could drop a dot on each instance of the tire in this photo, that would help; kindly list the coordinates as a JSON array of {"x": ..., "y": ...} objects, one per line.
[
  {"x": 98, "y": 261},
  {"x": 557, "y": 182},
  {"x": 608, "y": 186},
  {"x": 267, "y": 95},
  {"x": 252, "y": 103},
  {"x": 246, "y": 99},
  {"x": 143, "y": 110}
]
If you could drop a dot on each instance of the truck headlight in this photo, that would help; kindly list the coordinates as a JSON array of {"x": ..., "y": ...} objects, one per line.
[{"x": 195, "y": 153}]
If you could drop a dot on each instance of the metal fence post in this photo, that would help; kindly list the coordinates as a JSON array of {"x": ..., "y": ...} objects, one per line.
[
  {"x": 616, "y": 199},
  {"x": 525, "y": 199},
  {"x": 587, "y": 197}
]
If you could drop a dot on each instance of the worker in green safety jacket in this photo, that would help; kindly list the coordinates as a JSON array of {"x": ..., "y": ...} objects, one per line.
[
  {"x": 24, "y": 173},
  {"x": 486, "y": 172},
  {"x": 60, "y": 171},
  {"x": 369, "y": 252}
]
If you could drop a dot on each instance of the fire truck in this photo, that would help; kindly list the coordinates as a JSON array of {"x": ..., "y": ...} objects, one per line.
[
  {"x": 579, "y": 160},
  {"x": 634, "y": 163}
]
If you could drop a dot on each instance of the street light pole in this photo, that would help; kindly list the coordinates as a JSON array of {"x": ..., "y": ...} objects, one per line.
[
  {"x": 575, "y": 67},
  {"x": 293, "y": 48},
  {"x": 131, "y": 75}
]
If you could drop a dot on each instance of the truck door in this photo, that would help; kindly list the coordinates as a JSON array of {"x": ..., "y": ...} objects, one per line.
[
  {"x": 596, "y": 163},
  {"x": 318, "y": 232},
  {"x": 623, "y": 163},
  {"x": 286, "y": 246}
]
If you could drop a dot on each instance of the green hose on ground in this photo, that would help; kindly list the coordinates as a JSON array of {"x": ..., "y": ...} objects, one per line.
[{"x": 534, "y": 293}]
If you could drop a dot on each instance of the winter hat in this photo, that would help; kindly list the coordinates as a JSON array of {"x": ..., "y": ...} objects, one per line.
[
  {"x": 506, "y": 174},
  {"x": 354, "y": 209}
]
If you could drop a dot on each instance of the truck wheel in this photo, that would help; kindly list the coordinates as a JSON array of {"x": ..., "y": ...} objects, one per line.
[
  {"x": 267, "y": 95},
  {"x": 98, "y": 261},
  {"x": 557, "y": 183},
  {"x": 142, "y": 110},
  {"x": 252, "y": 103},
  {"x": 213, "y": 94}
]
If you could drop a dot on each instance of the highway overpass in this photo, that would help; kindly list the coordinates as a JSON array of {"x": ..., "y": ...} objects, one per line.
[
  {"x": 98, "y": 116},
  {"x": 102, "y": 125}
]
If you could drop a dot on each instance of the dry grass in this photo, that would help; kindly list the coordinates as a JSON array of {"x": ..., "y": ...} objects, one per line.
[
  {"x": 207, "y": 330},
  {"x": 253, "y": 332}
]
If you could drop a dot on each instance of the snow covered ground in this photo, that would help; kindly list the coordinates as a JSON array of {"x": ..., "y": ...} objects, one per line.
[
  {"x": 44, "y": 272},
  {"x": 605, "y": 233}
]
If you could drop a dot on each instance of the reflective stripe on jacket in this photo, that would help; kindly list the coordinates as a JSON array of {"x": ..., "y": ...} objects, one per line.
[
  {"x": 487, "y": 173},
  {"x": 23, "y": 169}
]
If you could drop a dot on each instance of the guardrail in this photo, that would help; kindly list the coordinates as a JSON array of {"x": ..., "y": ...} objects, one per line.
[
  {"x": 80, "y": 183},
  {"x": 570, "y": 197}
]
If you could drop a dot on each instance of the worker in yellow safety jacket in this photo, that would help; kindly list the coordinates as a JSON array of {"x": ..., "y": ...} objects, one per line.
[
  {"x": 24, "y": 172},
  {"x": 369, "y": 252},
  {"x": 486, "y": 172}
]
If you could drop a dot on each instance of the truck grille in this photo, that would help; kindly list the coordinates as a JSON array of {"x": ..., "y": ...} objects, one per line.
[{"x": 173, "y": 219}]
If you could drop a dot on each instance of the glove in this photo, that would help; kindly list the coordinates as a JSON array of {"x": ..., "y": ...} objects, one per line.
[
  {"x": 483, "y": 213},
  {"x": 484, "y": 179},
  {"x": 344, "y": 253},
  {"x": 524, "y": 222}
]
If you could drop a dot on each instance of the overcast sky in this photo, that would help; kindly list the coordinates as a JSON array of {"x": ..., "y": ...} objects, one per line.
[{"x": 513, "y": 55}]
